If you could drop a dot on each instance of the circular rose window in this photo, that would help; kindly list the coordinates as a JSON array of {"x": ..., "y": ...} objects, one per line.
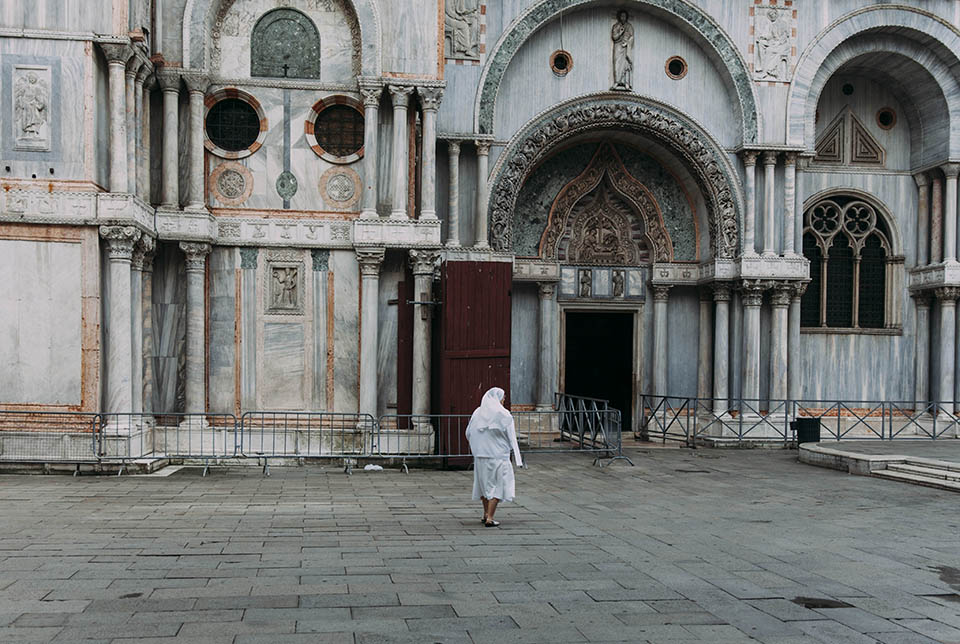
[
  {"x": 335, "y": 132},
  {"x": 234, "y": 125}
]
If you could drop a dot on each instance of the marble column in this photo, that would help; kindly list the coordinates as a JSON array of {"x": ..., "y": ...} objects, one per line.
[
  {"x": 197, "y": 86},
  {"x": 453, "y": 203},
  {"x": 369, "y": 260},
  {"x": 721, "y": 347},
  {"x": 370, "y": 91},
  {"x": 923, "y": 218},
  {"x": 422, "y": 263},
  {"x": 146, "y": 148},
  {"x": 400, "y": 159},
  {"x": 769, "y": 230},
  {"x": 547, "y": 368},
  {"x": 140, "y": 250},
  {"x": 429, "y": 102},
  {"x": 750, "y": 188},
  {"x": 794, "y": 388},
  {"x": 120, "y": 241},
  {"x": 950, "y": 171},
  {"x": 169, "y": 169},
  {"x": 195, "y": 380},
  {"x": 147, "y": 349},
  {"x": 947, "y": 296},
  {"x": 780, "y": 301},
  {"x": 117, "y": 57},
  {"x": 752, "y": 295},
  {"x": 922, "y": 350},
  {"x": 483, "y": 156},
  {"x": 140, "y": 109},
  {"x": 661, "y": 295},
  {"x": 130, "y": 122},
  {"x": 936, "y": 218},
  {"x": 789, "y": 202},
  {"x": 705, "y": 344}
]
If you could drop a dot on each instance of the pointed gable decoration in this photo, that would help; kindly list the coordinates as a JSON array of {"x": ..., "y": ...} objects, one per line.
[
  {"x": 864, "y": 149},
  {"x": 829, "y": 147}
]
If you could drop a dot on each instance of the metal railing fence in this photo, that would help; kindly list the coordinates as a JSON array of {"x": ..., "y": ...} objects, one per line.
[
  {"x": 49, "y": 437},
  {"x": 689, "y": 419}
]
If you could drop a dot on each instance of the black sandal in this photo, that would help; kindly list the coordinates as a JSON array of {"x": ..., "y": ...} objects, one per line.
[
  {"x": 484, "y": 520},
  {"x": 491, "y": 524}
]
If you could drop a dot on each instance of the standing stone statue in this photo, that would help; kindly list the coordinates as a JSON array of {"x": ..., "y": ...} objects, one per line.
[{"x": 622, "y": 35}]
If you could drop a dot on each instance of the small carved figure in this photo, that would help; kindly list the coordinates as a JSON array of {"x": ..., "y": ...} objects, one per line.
[
  {"x": 586, "y": 281},
  {"x": 30, "y": 105},
  {"x": 618, "y": 283},
  {"x": 622, "y": 35},
  {"x": 285, "y": 292},
  {"x": 462, "y": 25},
  {"x": 773, "y": 45}
]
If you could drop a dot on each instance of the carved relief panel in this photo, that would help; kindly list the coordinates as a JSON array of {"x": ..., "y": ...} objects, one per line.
[
  {"x": 602, "y": 283},
  {"x": 773, "y": 48},
  {"x": 31, "y": 107},
  {"x": 284, "y": 283},
  {"x": 463, "y": 31}
]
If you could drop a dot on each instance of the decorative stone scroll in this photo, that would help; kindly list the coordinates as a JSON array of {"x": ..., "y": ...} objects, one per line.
[{"x": 703, "y": 157}]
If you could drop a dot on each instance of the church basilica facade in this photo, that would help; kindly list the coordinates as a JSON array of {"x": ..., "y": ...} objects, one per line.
[{"x": 372, "y": 206}]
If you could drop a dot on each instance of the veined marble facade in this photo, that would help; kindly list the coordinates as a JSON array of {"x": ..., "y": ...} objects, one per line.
[{"x": 213, "y": 204}]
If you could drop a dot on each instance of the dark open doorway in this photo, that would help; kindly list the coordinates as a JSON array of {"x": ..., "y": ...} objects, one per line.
[{"x": 599, "y": 359}]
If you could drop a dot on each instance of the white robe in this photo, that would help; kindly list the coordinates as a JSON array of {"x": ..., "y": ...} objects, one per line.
[{"x": 492, "y": 437}]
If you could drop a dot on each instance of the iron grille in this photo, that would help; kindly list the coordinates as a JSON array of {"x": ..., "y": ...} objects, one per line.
[
  {"x": 872, "y": 284},
  {"x": 840, "y": 283},
  {"x": 339, "y": 130},
  {"x": 233, "y": 124},
  {"x": 810, "y": 302}
]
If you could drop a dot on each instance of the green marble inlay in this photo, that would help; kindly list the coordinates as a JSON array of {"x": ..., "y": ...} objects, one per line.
[
  {"x": 321, "y": 259},
  {"x": 695, "y": 18},
  {"x": 248, "y": 257}
]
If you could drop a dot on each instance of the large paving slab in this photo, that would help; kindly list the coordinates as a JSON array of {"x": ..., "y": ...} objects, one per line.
[{"x": 688, "y": 546}]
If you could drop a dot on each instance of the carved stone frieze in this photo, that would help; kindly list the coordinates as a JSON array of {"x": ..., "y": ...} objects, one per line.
[
  {"x": 535, "y": 270},
  {"x": 705, "y": 160},
  {"x": 393, "y": 233}
]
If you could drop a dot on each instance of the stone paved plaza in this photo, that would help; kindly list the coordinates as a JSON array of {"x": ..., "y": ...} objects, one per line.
[{"x": 704, "y": 546}]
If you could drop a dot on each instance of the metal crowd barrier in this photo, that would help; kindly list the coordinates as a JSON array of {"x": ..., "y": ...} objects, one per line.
[
  {"x": 689, "y": 419},
  {"x": 305, "y": 434},
  {"x": 49, "y": 437}
]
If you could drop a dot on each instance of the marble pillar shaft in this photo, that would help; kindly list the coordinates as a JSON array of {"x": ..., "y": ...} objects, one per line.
[
  {"x": 950, "y": 213},
  {"x": 936, "y": 220},
  {"x": 923, "y": 219},
  {"x": 400, "y": 153},
  {"x": 371, "y": 119},
  {"x": 789, "y": 203},
  {"x": 428, "y": 165},
  {"x": 769, "y": 174},
  {"x": 137, "y": 134},
  {"x": 948, "y": 329},
  {"x": 119, "y": 242},
  {"x": 660, "y": 299},
  {"x": 170, "y": 179},
  {"x": 118, "y": 127},
  {"x": 196, "y": 199},
  {"x": 147, "y": 347},
  {"x": 370, "y": 261},
  {"x": 483, "y": 156},
  {"x": 794, "y": 390},
  {"x": 130, "y": 126},
  {"x": 546, "y": 383},
  {"x": 922, "y": 353},
  {"x": 453, "y": 203},
  {"x": 143, "y": 174},
  {"x": 136, "y": 336},
  {"x": 705, "y": 346},
  {"x": 778, "y": 349},
  {"x": 195, "y": 377},
  {"x": 751, "y": 350},
  {"x": 721, "y": 349},
  {"x": 750, "y": 188},
  {"x": 421, "y": 344}
]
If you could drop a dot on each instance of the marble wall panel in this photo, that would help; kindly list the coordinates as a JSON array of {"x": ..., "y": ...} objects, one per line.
[
  {"x": 58, "y": 15},
  {"x": 223, "y": 324},
  {"x": 346, "y": 329},
  {"x": 40, "y": 329},
  {"x": 412, "y": 49},
  {"x": 282, "y": 384},
  {"x": 169, "y": 328},
  {"x": 683, "y": 319},
  {"x": 524, "y": 343},
  {"x": 384, "y": 155}
]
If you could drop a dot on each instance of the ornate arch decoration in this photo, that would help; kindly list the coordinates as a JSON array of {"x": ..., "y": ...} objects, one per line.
[
  {"x": 600, "y": 230},
  {"x": 199, "y": 17},
  {"x": 893, "y": 241},
  {"x": 920, "y": 36},
  {"x": 705, "y": 159},
  {"x": 682, "y": 12},
  {"x": 281, "y": 35}
]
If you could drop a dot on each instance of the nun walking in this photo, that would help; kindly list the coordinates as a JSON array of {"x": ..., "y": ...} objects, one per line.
[{"x": 492, "y": 437}]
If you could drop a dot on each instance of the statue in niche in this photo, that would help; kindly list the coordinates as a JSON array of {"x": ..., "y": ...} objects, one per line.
[
  {"x": 618, "y": 283},
  {"x": 30, "y": 101},
  {"x": 772, "y": 45},
  {"x": 586, "y": 282},
  {"x": 622, "y": 35},
  {"x": 285, "y": 288},
  {"x": 462, "y": 18}
]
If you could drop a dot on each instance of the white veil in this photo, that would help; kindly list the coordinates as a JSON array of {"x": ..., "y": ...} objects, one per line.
[{"x": 490, "y": 413}]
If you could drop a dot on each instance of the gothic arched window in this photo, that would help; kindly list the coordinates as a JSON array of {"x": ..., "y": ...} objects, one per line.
[
  {"x": 848, "y": 245},
  {"x": 285, "y": 44}
]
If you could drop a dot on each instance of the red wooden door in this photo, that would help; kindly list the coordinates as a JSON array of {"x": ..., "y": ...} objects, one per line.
[{"x": 474, "y": 342}]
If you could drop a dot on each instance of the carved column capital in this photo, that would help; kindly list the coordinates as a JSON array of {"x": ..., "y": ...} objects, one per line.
[
  {"x": 145, "y": 70},
  {"x": 400, "y": 94},
  {"x": 453, "y": 147},
  {"x": 142, "y": 251},
  {"x": 196, "y": 82},
  {"x": 781, "y": 294},
  {"x": 950, "y": 170},
  {"x": 430, "y": 97},
  {"x": 751, "y": 291},
  {"x": 423, "y": 261},
  {"x": 770, "y": 157},
  {"x": 370, "y": 260},
  {"x": 546, "y": 290},
  {"x": 749, "y": 157},
  {"x": 790, "y": 158},
  {"x": 922, "y": 298},
  {"x": 799, "y": 288},
  {"x": 196, "y": 254},
  {"x": 661, "y": 292},
  {"x": 169, "y": 79},
  {"x": 120, "y": 241},
  {"x": 116, "y": 53},
  {"x": 483, "y": 147},
  {"x": 922, "y": 179},
  {"x": 721, "y": 291},
  {"x": 371, "y": 95},
  {"x": 947, "y": 295},
  {"x": 134, "y": 65}
]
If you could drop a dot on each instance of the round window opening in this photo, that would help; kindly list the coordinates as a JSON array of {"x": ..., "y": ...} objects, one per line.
[
  {"x": 339, "y": 130},
  {"x": 233, "y": 125},
  {"x": 676, "y": 67},
  {"x": 847, "y": 89},
  {"x": 560, "y": 62},
  {"x": 886, "y": 118}
]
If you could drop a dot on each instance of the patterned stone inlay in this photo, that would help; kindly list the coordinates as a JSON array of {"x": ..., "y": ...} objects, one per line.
[
  {"x": 231, "y": 184},
  {"x": 340, "y": 187},
  {"x": 285, "y": 44},
  {"x": 286, "y": 185}
]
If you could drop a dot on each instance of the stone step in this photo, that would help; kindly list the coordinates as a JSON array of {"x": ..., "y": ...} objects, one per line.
[
  {"x": 945, "y": 472},
  {"x": 915, "y": 479}
]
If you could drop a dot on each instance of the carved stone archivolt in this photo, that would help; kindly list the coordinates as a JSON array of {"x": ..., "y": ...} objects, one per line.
[
  {"x": 702, "y": 156},
  {"x": 605, "y": 216}
]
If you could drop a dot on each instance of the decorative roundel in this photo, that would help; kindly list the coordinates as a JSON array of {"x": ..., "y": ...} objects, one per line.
[
  {"x": 335, "y": 129},
  {"x": 561, "y": 62},
  {"x": 234, "y": 124},
  {"x": 675, "y": 67},
  {"x": 230, "y": 183},
  {"x": 340, "y": 188},
  {"x": 287, "y": 185},
  {"x": 886, "y": 118}
]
